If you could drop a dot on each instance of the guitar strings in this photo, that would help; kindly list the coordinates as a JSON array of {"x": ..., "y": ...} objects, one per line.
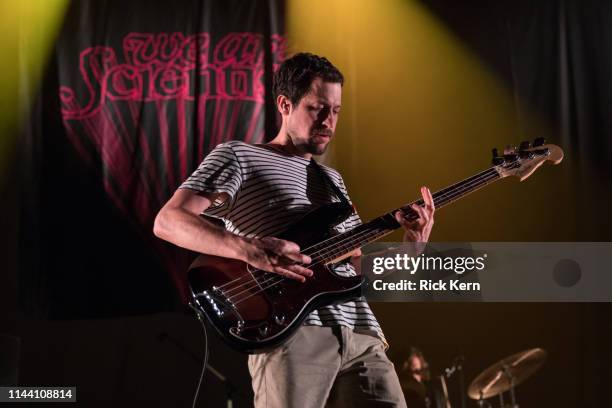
[
  {"x": 275, "y": 276},
  {"x": 441, "y": 197},
  {"x": 448, "y": 191},
  {"x": 278, "y": 279}
]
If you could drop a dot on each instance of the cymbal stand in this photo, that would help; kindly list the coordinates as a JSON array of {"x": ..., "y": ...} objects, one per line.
[
  {"x": 508, "y": 374},
  {"x": 482, "y": 403}
]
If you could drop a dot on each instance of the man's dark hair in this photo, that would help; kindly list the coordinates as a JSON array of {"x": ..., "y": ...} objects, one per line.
[{"x": 295, "y": 75}]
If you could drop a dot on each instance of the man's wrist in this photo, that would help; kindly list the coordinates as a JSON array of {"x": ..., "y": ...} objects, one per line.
[{"x": 239, "y": 246}]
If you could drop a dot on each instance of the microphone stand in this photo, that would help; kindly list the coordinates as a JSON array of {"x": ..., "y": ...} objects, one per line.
[
  {"x": 462, "y": 383},
  {"x": 458, "y": 366}
]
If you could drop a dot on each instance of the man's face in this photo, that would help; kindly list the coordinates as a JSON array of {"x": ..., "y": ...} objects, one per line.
[{"x": 312, "y": 123}]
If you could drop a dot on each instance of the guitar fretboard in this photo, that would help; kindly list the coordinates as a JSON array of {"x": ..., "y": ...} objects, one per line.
[{"x": 342, "y": 244}]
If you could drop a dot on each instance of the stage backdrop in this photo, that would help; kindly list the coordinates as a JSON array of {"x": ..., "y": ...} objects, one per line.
[{"x": 134, "y": 96}]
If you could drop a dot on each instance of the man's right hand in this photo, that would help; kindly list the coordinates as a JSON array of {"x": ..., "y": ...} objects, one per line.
[
  {"x": 277, "y": 256},
  {"x": 179, "y": 222}
]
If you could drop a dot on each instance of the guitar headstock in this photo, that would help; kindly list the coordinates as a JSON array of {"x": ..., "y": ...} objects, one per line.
[{"x": 522, "y": 161}]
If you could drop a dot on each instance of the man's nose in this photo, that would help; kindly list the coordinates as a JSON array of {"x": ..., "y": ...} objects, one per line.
[{"x": 328, "y": 120}]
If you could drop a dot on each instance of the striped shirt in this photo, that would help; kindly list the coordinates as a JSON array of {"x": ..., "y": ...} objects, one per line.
[{"x": 268, "y": 191}]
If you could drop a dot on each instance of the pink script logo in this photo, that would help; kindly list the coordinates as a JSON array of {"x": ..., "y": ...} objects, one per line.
[{"x": 163, "y": 66}]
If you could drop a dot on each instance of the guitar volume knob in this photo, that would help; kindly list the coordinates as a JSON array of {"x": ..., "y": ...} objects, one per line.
[{"x": 279, "y": 319}]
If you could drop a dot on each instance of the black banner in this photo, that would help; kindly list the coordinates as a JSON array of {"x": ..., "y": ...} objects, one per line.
[{"x": 135, "y": 95}]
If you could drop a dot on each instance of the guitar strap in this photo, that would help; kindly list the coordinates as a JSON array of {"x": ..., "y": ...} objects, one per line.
[
  {"x": 336, "y": 190},
  {"x": 330, "y": 183}
]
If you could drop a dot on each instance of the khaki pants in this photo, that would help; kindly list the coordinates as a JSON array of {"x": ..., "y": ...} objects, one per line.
[{"x": 325, "y": 367}]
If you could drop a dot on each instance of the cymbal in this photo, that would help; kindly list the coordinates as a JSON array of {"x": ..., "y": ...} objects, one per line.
[{"x": 497, "y": 378}]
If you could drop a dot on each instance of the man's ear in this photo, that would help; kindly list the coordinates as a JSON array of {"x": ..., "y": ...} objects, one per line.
[{"x": 283, "y": 104}]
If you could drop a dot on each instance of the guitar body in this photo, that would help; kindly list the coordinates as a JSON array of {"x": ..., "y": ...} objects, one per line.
[{"x": 252, "y": 314}]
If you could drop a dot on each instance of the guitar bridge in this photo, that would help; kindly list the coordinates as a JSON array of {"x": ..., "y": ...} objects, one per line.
[{"x": 218, "y": 302}]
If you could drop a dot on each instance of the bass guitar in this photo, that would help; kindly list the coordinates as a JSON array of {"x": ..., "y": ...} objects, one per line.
[{"x": 252, "y": 309}]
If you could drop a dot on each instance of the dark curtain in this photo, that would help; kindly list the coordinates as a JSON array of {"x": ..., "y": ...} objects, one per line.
[
  {"x": 561, "y": 64},
  {"x": 135, "y": 95},
  {"x": 555, "y": 57}
]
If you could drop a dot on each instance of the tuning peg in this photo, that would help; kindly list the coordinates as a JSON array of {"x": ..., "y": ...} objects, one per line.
[
  {"x": 540, "y": 141},
  {"x": 497, "y": 160},
  {"x": 524, "y": 145},
  {"x": 511, "y": 157},
  {"x": 509, "y": 149}
]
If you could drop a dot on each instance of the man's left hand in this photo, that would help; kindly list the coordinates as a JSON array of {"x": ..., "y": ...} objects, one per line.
[{"x": 419, "y": 229}]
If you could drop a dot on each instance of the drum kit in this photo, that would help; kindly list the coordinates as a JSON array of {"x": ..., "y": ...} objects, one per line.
[{"x": 498, "y": 380}]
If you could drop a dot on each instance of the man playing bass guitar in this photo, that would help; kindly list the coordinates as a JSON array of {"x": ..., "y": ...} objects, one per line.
[{"x": 337, "y": 358}]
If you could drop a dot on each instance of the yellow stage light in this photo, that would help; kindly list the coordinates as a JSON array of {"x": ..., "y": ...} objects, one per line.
[{"x": 28, "y": 29}]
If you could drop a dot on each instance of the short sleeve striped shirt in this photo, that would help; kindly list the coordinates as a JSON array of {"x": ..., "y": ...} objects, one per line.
[{"x": 268, "y": 191}]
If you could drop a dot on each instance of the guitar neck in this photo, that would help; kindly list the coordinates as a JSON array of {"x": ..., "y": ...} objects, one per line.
[{"x": 345, "y": 243}]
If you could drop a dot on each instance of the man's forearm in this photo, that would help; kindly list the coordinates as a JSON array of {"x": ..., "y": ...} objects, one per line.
[{"x": 193, "y": 232}]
